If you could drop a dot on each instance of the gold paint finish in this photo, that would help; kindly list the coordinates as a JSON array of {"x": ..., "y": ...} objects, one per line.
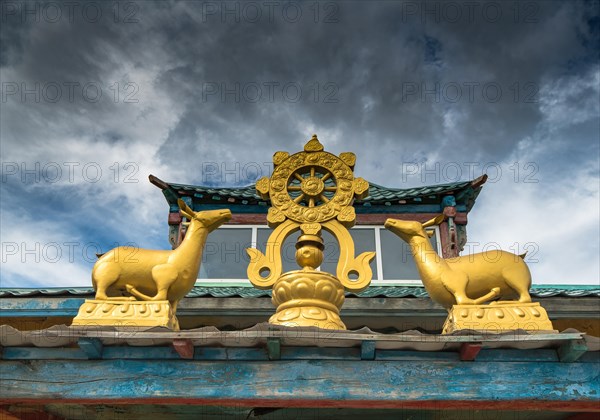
[
  {"x": 463, "y": 284},
  {"x": 126, "y": 314},
  {"x": 124, "y": 275},
  {"x": 310, "y": 190},
  {"x": 496, "y": 319}
]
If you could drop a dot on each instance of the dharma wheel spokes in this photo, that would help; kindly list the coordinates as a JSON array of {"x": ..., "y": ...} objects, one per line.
[
  {"x": 312, "y": 186},
  {"x": 310, "y": 191}
]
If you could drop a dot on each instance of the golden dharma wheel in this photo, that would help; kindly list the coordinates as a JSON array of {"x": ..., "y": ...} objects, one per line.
[{"x": 312, "y": 186}]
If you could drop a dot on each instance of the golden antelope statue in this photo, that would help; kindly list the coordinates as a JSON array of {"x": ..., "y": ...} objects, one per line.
[
  {"x": 467, "y": 280},
  {"x": 155, "y": 275}
]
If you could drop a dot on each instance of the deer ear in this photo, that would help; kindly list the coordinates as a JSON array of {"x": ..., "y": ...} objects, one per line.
[
  {"x": 184, "y": 207},
  {"x": 435, "y": 221}
]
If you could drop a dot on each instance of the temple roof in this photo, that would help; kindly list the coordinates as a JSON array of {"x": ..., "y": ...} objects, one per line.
[{"x": 465, "y": 193}]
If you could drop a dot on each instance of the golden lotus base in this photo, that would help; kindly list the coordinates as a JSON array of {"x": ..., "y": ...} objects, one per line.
[
  {"x": 308, "y": 316},
  {"x": 498, "y": 318},
  {"x": 120, "y": 313},
  {"x": 308, "y": 298}
]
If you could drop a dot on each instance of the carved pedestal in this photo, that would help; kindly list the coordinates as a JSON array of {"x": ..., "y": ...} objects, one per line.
[
  {"x": 498, "y": 318},
  {"x": 121, "y": 313},
  {"x": 308, "y": 299}
]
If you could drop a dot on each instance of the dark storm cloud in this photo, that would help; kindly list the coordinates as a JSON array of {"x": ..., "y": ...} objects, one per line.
[
  {"x": 388, "y": 71},
  {"x": 391, "y": 78}
]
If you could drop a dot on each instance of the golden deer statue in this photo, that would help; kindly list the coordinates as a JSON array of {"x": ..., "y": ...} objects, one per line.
[
  {"x": 468, "y": 280},
  {"x": 155, "y": 275}
]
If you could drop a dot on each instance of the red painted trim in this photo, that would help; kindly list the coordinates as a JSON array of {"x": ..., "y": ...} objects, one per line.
[
  {"x": 180, "y": 236},
  {"x": 184, "y": 347},
  {"x": 7, "y": 415},
  {"x": 449, "y": 211},
  {"x": 30, "y": 413},
  {"x": 174, "y": 218},
  {"x": 515, "y": 405},
  {"x": 361, "y": 219},
  {"x": 444, "y": 239},
  {"x": 380, "y": 218},
  {"x": 469, "y": 351},
  {"x": 248, "y": 219}
]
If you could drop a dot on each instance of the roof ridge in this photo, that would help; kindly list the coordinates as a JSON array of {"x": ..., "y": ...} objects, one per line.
[{"x": 371, "y": 184}]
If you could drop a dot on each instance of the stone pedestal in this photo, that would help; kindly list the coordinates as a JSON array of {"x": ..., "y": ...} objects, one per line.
[
  {"x": 120, "y": 313},
  {"x": 498, "y": 318}
]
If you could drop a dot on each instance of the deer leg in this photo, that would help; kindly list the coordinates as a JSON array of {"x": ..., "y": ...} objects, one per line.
[
  {"x": 456, "y": 283},
  {"x": 164, "y": 276},
  {"x": 519, "y": 281},
  {"x": 133, "y": 291},
  {"x": 174, "y": 306},
  {"x": 488, "y": 296},
  {"x": 104, "y": 275}
]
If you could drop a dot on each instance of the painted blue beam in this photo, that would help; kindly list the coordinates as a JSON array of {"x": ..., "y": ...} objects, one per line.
[
  {"x": 34, "y": 307},
  {"x": 92, "y": 347},
  {"x": 367, "y": 350},
  {"x": 404, "y": 208},
  {"x": 572, "y": 350},
  {"x": 315, "y": 380}
]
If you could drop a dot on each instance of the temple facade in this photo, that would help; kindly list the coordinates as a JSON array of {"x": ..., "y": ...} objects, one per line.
[{"x": 235, "y": 353}]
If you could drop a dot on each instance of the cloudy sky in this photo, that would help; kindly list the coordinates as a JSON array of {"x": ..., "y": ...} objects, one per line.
[{"x": 97, "y": 96}]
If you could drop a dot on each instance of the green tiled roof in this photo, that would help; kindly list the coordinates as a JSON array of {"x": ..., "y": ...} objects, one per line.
[
  {"x": 541, "y": 291},
  {"x": 466, "y": 191}
]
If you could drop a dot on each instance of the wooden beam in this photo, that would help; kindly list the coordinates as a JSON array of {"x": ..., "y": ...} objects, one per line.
[
  {"x": 92, "y": 347},
  {"x": 380, "y": 218},
  {"x": 440, "y": 407},
  {"x": 274, "y": 348},
  {"x": 158, "y": 182},
  {"x": 571, "y": 351},
  {"x": 28, "y": 413},
  {"x": 367, "y": 350},
  {"x": 184, "y": 347},
  {"x": 7, "y": 415},
  {"x": 469, "y": 351},
  {"x": 317, "y": 383},
  {"x": 289, "y": 353}
]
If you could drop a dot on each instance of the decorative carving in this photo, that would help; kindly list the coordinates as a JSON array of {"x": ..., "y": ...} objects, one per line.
[
  {"x": 311, "y": 190},
  {"x": 361, "y": 188},
  {"x": 279, "y": 157},
  {"x": 348, "y": 158},
  {"x": 262, "y": 187},
  {"x": 467, "y": 280},
  {"x": 498, "y": 318},
  {"x": 264, "y": 270},
  {"x": 308, "y": 298},
  {"x": 127, "y": 314},
  {"x": 354, "y": 273}
]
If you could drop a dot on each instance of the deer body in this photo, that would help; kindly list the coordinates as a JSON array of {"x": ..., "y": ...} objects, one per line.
[
  {"x": 470, "y": 279},
  {"x": 156, "y": 274}
]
